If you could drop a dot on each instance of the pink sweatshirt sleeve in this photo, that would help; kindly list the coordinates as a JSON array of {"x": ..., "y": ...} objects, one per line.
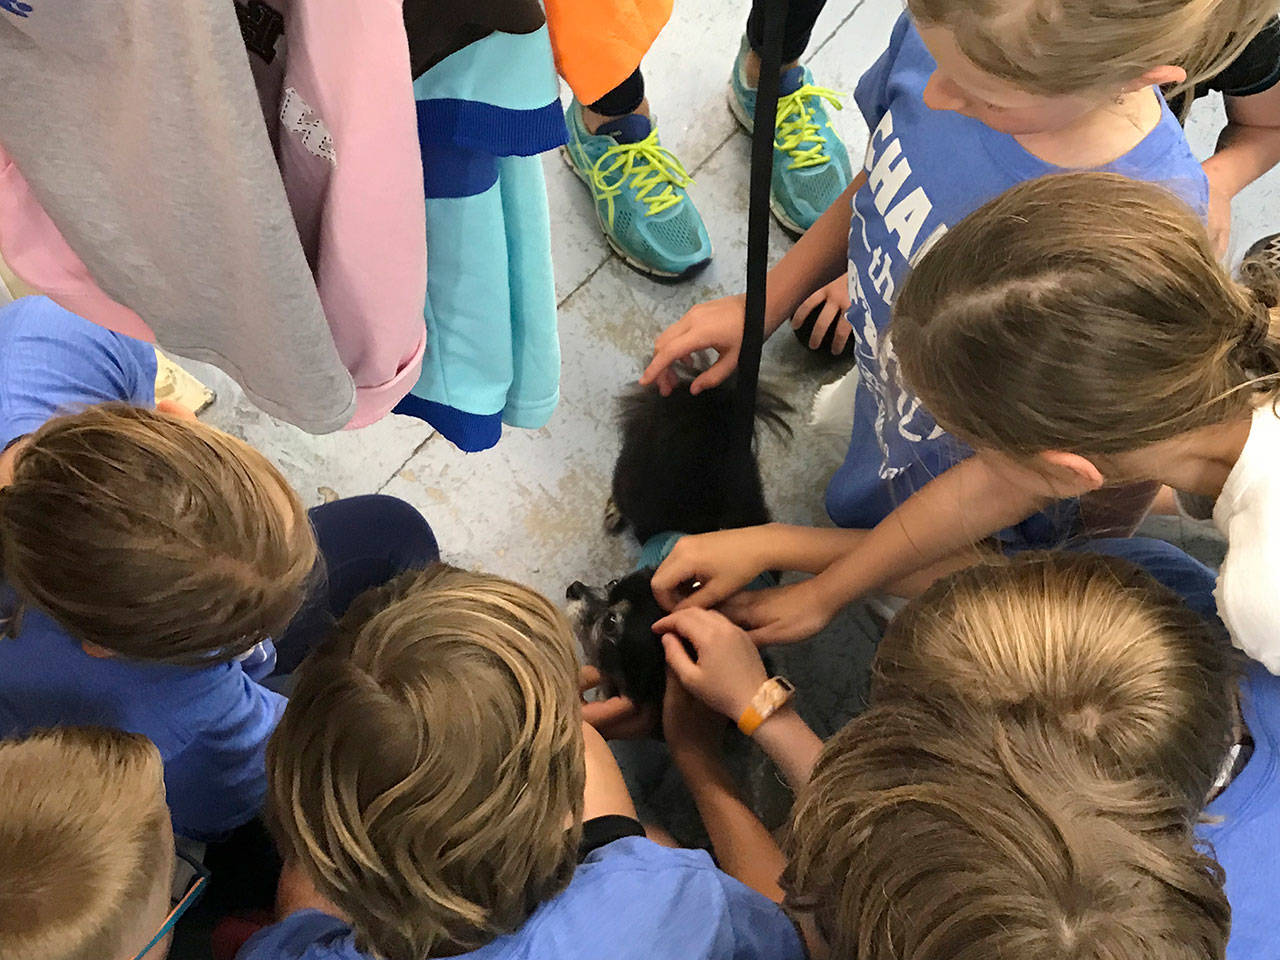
[
  {"x": 36, "y": 252},
  {"x": 348, "y": 152}
]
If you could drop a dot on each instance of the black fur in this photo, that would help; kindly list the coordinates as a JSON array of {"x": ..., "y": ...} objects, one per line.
[
  {"x": 677, "y": 471},
  {"x": 678, "y": 468}
]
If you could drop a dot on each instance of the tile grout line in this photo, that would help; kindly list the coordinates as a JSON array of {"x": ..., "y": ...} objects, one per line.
[
  {"x": 840, "y": 26},
  {"x": 416, "y": 450}
]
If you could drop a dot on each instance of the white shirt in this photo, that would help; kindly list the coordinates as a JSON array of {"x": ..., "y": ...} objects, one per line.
[{"x": 1248, "y": 515}]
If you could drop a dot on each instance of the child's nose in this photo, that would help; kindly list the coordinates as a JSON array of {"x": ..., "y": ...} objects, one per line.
[{"x": 941, "y": 94}]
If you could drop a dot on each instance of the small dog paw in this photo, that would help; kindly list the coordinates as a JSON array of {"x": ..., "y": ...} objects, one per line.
[{"x": 614, "y": 521}]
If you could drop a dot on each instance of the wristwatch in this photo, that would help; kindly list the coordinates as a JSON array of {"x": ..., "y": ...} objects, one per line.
[{"x": 774, "y": 694}]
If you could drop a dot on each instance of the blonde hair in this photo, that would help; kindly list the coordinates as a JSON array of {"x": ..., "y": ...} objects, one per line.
[
  {"x": 1083, "y": 312},
  {"x": 428, "y": 773},
  {"x": 915, "y": 842},
  {"x": 157, "y": 538},
  {"x": 84, "y": 841},
  {"x": 1056, "y": 47},
  {"x": 1086, "y": 650}
]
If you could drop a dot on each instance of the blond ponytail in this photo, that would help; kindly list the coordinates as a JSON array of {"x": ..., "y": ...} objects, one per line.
[{"x": 1084, "y": 312}]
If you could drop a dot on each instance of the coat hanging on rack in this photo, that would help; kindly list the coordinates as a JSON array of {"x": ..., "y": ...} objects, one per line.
[
  {"x": 138, "y": 129},
  {"x": 493, "y": 356}
]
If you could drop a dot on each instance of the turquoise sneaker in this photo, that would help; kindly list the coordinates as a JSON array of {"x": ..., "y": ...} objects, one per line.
[
  {"x": 640, "y": 193},
  {"x": 810, "y": 163}
]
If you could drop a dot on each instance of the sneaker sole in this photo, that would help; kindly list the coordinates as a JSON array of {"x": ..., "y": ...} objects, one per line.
[
  {"x": 748, "y": 123},
  {"x": 662, "y": 276}
]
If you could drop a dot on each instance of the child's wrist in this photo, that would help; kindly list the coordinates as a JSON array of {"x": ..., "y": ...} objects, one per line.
[{"x": 828, "y": 594}]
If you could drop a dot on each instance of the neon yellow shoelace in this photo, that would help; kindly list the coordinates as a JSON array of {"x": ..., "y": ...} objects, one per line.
[
  {"x": 795, "y": 126},
  {"x": 651, "y": 167}
]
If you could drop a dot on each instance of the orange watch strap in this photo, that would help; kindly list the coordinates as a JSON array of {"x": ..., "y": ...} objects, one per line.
[{"x": 750, "y": 721}]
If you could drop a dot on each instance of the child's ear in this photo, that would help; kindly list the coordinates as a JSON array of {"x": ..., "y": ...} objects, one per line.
[
  {"x": 1083, "y": 476},
  {"x": 175, "y": 409},
  {"x": 1160, "y": 76},
  {"x": 93, "y": 650}
]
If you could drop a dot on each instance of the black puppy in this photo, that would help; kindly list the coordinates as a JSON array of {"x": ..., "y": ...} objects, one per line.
[
  {"x": 678, "y": 471},
  {"x": 615, "y": 627}
]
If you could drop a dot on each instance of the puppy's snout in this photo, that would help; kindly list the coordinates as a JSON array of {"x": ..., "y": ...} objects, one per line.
[{"x": 577, "y": 591}]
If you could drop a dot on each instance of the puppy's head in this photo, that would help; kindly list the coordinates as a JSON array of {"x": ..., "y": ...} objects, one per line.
[{"x": 614, "y": 624}]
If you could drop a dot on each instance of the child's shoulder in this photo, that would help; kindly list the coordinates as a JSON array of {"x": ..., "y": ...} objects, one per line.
[
  {"x": 635, "y": 892},
  {"x": 305, "y": 935},
  {"x": 52, "y": 360}
]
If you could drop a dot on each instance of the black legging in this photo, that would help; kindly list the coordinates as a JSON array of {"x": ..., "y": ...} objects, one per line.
[
  {"x": 364, "y": 542},
  {"x": 627, "y": 96}
]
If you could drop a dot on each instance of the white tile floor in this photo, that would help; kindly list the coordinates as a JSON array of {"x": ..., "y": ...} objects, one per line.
[{"x": 530, "y": 508}]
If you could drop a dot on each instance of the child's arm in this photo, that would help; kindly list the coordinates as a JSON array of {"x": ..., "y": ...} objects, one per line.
[
  {"x": 743, "y": 847},
  {"x": 818, "y": 258},
  {"x": 1248, "y": 147},
  {"x": 962, "y": 506},
  {"x": 726, "y": 675},
  {"x": 606, "y": 792}
]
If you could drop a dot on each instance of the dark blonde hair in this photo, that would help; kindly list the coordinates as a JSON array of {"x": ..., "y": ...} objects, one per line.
[
  {"x": 1083, "y": 312},
  {"x": 155, "y": 537},
  {"x": 915, "y": 842},
  {"x": 84, "y": 841},
  {"x": 428, "y": 774},
  {"x": 1086, "y": 651},
  {"x": 1054, "y": 47}
]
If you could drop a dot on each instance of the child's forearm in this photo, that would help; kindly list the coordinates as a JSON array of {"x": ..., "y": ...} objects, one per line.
[
  {"x": 958, "y": 509},
  {"x": 1249, "y": 145},
  {"x": 744, "y": 848},
  {"x": 790, "y": 744},
  {"x": 786, "y": 546},
  {"x": 817, "y": 258},
  {"x": 1244, "y": 154}
]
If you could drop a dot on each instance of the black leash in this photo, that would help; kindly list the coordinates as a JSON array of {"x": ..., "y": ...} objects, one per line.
[{"x": 775, "y": 16}]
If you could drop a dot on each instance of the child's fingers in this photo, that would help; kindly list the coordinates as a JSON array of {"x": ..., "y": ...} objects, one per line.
[
  {"x": 823, "y": 323},
  {"x": 744, "y": 608},
  {"x": 603, "y": 713},
  {"x": 714, "y": 375},
  {"x": 841, "y": 338},
  {"x": 588, "y": 679},
  {"x": 665, "y": 354},
  {"x": 807, "y": 307},
  {"x": 678, "y": 659},
  {"x": 710, "y": 594}
]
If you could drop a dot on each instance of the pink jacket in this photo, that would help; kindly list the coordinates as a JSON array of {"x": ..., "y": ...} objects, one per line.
[{"x": 336, "y": 91}]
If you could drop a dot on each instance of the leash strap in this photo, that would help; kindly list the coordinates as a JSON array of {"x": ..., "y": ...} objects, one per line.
[{"x": 775, "y": 15}]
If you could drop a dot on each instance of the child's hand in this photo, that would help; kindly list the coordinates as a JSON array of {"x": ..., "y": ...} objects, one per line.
[
  {"x": 692, "y": 729},
  {"x": 834, "y": 301},
  {"x": 781, "y": 614},
  {"x": 728, "y": 670},
  {"x": 722, "y": 562},
  {"x": 716, "y": 324},
  {"x": 617, "y": 718}
]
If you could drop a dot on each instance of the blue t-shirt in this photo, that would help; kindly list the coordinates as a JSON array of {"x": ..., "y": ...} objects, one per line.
[
  {"x": 926, "y": 170},
  {"x": 210, "y": 724},
  {"x": 629, "y": 900},
  {"x": 53, "y": 362},
  {"x": 1246, "y": 838}
]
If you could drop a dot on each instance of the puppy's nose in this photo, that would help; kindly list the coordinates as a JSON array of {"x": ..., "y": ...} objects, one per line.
[{"x": 577, "y": 590}]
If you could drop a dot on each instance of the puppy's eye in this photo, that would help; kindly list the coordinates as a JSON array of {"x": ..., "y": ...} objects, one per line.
[
  {"x": 610, "y": 585},
  {"x": 612, "y": 620}
]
